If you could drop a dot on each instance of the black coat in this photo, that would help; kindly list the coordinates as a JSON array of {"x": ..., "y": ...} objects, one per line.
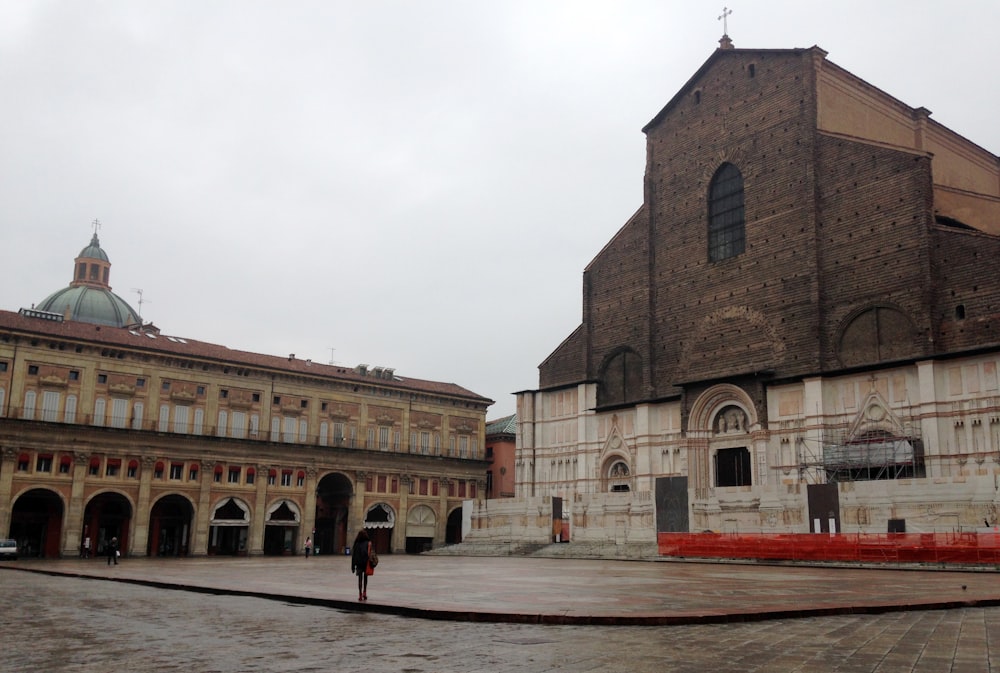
[{"x": 359, "y": 556}]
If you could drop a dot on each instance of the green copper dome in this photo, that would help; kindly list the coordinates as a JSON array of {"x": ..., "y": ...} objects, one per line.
[
  {"x": 93, "y": 305},
  {"x": 94, "y": 251},
  {"x": 89, "y": 297}
]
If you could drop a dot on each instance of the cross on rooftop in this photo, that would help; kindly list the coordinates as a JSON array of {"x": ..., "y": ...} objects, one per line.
[
  {"x": 96, "y": 224},
  {"x": 723, "y": 17}
]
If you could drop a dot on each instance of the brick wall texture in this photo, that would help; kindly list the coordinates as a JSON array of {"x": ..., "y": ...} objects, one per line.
[{"x": 844, "y": 265}]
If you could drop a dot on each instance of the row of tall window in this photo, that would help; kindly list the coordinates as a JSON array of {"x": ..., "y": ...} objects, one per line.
[
  {"x": 47, "y": 463},
  {"x": 126, "y": 413}
]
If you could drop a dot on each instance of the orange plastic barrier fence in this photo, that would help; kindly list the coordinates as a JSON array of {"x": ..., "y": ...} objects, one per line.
[{"x": 950, "y": 548}]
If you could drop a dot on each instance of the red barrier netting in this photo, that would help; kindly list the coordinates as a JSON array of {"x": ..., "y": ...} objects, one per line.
[{"x": 973, "y": 548}]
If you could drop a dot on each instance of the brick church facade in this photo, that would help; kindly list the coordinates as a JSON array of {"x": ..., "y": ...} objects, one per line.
[{"x": 797, "y": 331}]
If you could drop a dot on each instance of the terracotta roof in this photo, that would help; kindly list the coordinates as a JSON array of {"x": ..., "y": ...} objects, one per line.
[{"x": 149, "y": 339}]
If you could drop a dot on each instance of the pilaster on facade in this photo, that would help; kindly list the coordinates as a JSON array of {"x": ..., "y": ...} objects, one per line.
[
  {"x": 406, "y": 482},
  {"x": 203, "y": 513},
  {"x": 358, "y": 504},
  {"x": 7, "y": 468},
  {"x": 309, "y": 515},
  {"x": 441, "y": 524},
  {"x": 255, "y": 541},
  {"x": 140, "y": 539},
  {"x": 929, "y": 415},
  {"x": 75, "y": 506}
]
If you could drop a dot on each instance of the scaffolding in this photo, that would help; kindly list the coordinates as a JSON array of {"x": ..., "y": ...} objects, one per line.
[{"x": 872, "y": 452}]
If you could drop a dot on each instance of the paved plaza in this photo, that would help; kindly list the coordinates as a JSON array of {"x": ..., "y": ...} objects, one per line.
[{"x": 439, "y": 614}]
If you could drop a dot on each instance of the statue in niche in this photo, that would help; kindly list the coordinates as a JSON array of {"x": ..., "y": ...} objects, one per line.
[
  {"x": 619, "y": 471},
  {"x": 732, "y": 419}
]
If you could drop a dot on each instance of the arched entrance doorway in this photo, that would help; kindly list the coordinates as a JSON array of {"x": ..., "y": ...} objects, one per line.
[
  {"x": 453, "y": 529},
  {"x": 108, "y": 515},
  {"x": 333, "y": 499},
  {"x": 36, "y": 523},
  {"x": 170, "y": 527},
  {"x": 420, "y": 524},
  {"x": 230, "y": 524},
  {"x": 379, "y": 521},
  {"x": 281, "y": 528}
]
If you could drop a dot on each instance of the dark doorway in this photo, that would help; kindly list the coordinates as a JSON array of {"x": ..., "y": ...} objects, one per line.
[
  {"x": 672, "y": 505},
  {"x": 380, "y": 521},
  {"x": 229, "y": 529},
  {"x": 109, "y": 515},
  {"x": 732, "y": 467},
  {"x": 36, "y": 524},
  {"x": 280, "y": 531},
  {"x": 333, "y": 498},
  {"x": 453, "y": 527},
  {"x": 170, "y": 527},
  {"x": 824, "y": 508}
]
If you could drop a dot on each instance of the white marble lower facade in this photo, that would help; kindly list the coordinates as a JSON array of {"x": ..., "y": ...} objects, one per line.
[{"x": 917, "y": 444}]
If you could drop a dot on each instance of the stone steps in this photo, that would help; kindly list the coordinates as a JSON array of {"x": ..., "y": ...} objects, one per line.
[{"x": 576, "y": 550}]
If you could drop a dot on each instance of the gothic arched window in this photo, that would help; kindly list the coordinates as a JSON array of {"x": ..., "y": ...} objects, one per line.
[{"x": 726, "y": 237}]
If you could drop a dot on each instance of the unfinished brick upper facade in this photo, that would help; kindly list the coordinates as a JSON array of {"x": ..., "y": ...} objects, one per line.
[{"x": 845, "y": 264}]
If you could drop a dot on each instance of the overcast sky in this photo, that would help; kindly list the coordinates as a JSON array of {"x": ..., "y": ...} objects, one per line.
[{"x": 416, "y": 185}]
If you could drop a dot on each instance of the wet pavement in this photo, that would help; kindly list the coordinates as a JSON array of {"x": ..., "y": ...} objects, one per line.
[
  {"x": 555, "y": 591},
  {"x": 429, "y": 614}
]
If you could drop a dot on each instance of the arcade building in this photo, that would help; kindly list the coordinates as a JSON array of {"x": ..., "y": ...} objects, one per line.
[{"x": 177, "y": 447}]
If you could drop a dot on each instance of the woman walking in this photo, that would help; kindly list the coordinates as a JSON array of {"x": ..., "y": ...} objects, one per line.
[{"x": 360, "y": 562}]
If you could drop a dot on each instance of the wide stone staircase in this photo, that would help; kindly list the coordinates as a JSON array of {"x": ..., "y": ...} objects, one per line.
[{"x": 645, "y": 551}]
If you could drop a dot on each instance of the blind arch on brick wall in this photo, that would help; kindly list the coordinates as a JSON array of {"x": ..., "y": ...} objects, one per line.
[
  {"x": 726, "y": 227},
  {"x": 620, "y": 379},
  {"x": 877, "y": 334}
]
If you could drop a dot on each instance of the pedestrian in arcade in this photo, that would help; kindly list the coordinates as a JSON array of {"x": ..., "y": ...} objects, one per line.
[
  {"x": 111, "y": 549},
  {"x": 309, "y": 546},
  {"x": 362, "y": 556}
]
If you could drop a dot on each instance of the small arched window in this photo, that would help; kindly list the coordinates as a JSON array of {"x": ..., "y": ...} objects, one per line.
[{"x": 726, "y": 237}]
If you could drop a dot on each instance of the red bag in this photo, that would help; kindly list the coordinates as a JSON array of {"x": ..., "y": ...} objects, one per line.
[{"x": 372, "y": 560}]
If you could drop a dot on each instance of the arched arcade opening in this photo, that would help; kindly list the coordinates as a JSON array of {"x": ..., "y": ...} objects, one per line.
[
  {"x": 281, "y": 528},
  {"x": 170, "y": 527},
  {"x": 333, "y": 500},
  {"x": 108, "y": 515},
  {"x": 420, "y": 524},
  {"x": 230, "y": 526},
  {"x": 380, "y": 520},
  {"x": 36, "y": 523}
]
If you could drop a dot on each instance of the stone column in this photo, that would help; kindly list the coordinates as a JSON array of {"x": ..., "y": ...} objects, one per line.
[
  {"x": 74, "y": 512},
  {"x": 440, "y": 526},
  {"x": 203, "y": 515},
  {"x": 7, "y": 469},
  {"x": 356, "y": 519},
  {"x": 399, "y": 534},
  {"x": 140, "y": 540},
  {"x": 308, "y": 522},
  {"x": 255, "y": 545}
]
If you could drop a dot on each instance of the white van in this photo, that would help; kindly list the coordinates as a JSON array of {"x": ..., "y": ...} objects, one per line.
[{"x": 8, "y": 549}]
